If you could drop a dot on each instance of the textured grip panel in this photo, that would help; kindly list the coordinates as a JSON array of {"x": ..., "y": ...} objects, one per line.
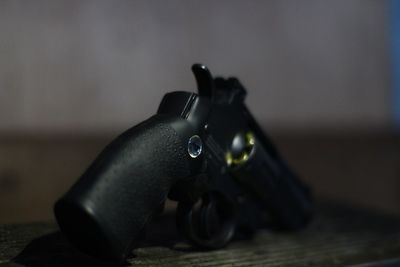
[{"x": 108, "y": 208}]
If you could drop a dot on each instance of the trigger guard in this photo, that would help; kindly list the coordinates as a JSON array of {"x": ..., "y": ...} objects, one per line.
[{"x": 201, "y": 236}]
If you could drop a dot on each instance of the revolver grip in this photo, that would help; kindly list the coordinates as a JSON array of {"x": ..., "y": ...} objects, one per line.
[{"x": 105, "y": 212}]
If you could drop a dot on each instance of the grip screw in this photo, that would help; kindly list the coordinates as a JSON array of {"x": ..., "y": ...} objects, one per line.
[{"x": 195, "y": 146}]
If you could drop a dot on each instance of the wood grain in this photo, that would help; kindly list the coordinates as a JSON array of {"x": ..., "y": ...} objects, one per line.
[{"x": 338, "y": 236}]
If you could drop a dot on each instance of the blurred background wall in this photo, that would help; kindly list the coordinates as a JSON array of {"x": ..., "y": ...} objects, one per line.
[{"x": 73, "y": 74}]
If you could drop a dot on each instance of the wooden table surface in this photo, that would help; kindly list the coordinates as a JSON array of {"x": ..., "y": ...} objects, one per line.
[{"x": 337, "y": 236}]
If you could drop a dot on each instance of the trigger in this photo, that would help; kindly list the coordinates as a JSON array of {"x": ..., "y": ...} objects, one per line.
[
  {"x": 211, "y": 229},
  {"x": 210, "y": 222}
]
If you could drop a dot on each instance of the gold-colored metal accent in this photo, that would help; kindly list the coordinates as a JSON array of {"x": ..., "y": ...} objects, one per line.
[{"x": 244, "y": 155}]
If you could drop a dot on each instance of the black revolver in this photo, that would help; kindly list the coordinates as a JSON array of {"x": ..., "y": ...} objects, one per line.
[{"x": 205, "y": 151}]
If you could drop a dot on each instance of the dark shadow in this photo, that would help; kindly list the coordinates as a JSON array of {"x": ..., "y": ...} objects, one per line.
[
  {"x": 330, "y": 221},
  {"x": 54, "y": 249}
]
